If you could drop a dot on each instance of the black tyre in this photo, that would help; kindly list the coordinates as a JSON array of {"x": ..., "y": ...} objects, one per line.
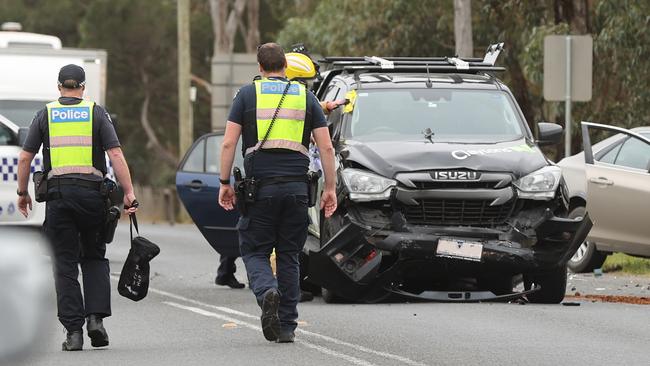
[
  {"x": 330, "y": 297},
  {"x": 553, "y": 287},
  {"x": 587, "y": 257}
]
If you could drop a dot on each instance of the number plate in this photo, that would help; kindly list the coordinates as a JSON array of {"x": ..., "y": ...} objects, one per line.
[{"x": 459, "y": 248}]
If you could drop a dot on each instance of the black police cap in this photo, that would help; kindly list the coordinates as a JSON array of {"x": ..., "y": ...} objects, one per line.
[{"x": 72, "y": 72}]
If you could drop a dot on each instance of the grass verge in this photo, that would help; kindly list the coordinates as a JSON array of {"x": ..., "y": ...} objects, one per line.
[{"x": 619, "y": 262}]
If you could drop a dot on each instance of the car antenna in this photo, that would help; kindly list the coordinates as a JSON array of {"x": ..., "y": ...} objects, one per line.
[
  {"x": 428, "y": 134},
  {"x": 428, "y": 83}
]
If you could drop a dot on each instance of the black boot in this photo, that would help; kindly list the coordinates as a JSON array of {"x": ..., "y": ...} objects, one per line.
[
  {"x": 230, "y": 282},
  {"x": 286, "y": 337},
  {"x": 270, "y": 319},
  {"x": 96, "y": 331},
  {"x": 74, "y": 341}
]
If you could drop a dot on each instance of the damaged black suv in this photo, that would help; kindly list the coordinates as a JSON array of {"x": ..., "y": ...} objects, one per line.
[{"x": 443, "y": 191}]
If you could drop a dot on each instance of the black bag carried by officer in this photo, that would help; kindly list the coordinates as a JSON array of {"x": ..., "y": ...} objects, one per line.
[{"x": 134, "y": 279}]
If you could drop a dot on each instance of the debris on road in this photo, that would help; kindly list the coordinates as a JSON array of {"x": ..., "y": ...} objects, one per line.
[
  {"x": 570, "y": 303},
  {"x": 614, "y": 298}
]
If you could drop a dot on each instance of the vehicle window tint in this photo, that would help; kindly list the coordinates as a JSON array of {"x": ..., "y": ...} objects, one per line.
[
  {"x": 213, "y": 154},
  {"x": 332, "y": 92},
  {"x": 195, "y": 160},
  {"x": 634, "y": 154},
  {"x": 7, "y": 136},
  {"x": 610, "y": 156}
]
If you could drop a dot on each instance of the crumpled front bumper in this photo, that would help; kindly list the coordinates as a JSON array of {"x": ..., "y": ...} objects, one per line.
[{"x": 355, "y": 261}]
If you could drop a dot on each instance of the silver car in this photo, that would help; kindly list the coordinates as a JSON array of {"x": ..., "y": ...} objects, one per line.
[{"x": 613, "y": 189}]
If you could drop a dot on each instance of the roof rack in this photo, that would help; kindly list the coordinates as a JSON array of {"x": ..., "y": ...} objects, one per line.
[{"x": 435, "y": 64}]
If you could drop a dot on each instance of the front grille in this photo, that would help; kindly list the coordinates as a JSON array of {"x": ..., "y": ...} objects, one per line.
[
  {"x": 455, "y": 185},
  {"x": 457, "y": 212}
]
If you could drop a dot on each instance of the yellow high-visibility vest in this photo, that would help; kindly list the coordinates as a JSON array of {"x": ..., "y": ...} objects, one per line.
[
  {"x": 71, "y": 137},
  {"x": 288, "y": 130}
]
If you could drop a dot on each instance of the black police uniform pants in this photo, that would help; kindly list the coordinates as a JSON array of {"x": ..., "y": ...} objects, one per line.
[
  {"x": 73, "y": 224},
  {"x": 227, "y": 267},
  {"x": 278, "y": 219}
]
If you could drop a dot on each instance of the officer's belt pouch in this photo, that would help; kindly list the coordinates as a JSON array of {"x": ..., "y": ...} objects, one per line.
[
  {"x": 312, "y": 188},
  {"x": 40, "y": 186},
  {"x": 134, "y": 279},
  {"x": 112, "y": 218}
]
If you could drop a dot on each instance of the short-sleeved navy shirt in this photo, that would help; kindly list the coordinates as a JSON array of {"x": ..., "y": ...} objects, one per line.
[
  {"x": 272, "y": 163},
  {"x": 104, "y": 137}
]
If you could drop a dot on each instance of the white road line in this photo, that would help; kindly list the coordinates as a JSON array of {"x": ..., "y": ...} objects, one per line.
[
  {"x": 339, "y": 342},
  {"x": 402, "y": 359},
  {"x": 325, "y": 350}
]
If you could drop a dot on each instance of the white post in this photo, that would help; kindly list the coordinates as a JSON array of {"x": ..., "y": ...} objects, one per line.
[{"x": 567, "y": 98}]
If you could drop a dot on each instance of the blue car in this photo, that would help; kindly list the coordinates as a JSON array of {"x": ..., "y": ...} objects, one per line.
[{"x": 197, "y": 183}]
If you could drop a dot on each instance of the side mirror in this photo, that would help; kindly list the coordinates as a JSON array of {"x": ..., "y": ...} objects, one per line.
[
  {"x": 22, "y": 135},
  {"x": 549, "y": 134}
]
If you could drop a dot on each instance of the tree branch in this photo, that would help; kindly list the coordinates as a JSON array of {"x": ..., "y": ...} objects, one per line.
[
  {"x": 153, "y": 142},
  {"x": 202, "y": 82}
]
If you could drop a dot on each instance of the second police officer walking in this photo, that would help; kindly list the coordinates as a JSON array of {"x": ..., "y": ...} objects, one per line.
[
  {"x": 75, "y": 133},
  {"x": 275, "y": 119}
]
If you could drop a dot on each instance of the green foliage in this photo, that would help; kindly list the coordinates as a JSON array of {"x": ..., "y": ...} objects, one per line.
[
  {"x": 619, "y": 262},
  {"x": 140, "y": 37},
  {"x": 425, "y": 28},
  {"x": 374, "y": 27}
]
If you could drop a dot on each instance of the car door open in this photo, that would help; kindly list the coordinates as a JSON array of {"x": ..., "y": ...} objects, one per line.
[
  {"x": 615, "y": 192},
  {"x": 197, "y": 183}
]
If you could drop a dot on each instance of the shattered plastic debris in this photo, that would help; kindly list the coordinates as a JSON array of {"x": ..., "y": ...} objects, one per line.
[{"x": 598, "y": 272}]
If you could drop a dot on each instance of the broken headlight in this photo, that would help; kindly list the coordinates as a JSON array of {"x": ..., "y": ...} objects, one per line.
[
  {"x": 366, "y": 186},
  {"x": 539, "y": 185}
]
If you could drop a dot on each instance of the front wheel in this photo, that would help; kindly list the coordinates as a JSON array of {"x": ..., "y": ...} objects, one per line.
[
  {"x": 553, "y": 286},
  {"x": 587, "y": 257}
]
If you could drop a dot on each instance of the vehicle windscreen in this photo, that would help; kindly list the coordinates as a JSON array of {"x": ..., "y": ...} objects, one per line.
[
  {"x": 452, "y": 115},
  {"x": 21, "y": 112}
]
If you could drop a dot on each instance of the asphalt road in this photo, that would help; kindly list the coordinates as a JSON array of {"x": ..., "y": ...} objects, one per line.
[{"x": 187, "y": 320}]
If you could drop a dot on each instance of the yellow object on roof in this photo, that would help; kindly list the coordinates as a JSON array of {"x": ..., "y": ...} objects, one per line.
[{"x": 299, "y": 66}]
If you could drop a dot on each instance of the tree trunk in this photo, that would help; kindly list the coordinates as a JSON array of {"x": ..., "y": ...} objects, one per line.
[
  {"x": 573, "y": 12},
  {"x": 463, "y": 27},
  {"x": 252, "y": 22},
  {"x": 580, "y": 21}
]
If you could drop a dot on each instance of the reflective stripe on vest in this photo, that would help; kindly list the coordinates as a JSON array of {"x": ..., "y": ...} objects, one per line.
[
  {"x": 71, "y": 138},
  {"x": 289, "y": 126}
]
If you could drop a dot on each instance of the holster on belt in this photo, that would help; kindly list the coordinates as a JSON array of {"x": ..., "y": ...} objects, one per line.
[
  {"x": 312, "y": 188},
  {"x": 245, "y": 192},
  {"x": 114, "y": 196},
  {"x": 40, "y": 186}
]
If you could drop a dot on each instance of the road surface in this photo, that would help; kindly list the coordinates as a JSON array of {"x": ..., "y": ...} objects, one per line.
[{"x": 187, "y": 320}]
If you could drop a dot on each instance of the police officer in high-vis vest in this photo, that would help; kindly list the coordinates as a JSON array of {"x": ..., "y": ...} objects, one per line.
[
  {"x": 277, "y": 219},
  {"x": 75, "y": 133}
]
